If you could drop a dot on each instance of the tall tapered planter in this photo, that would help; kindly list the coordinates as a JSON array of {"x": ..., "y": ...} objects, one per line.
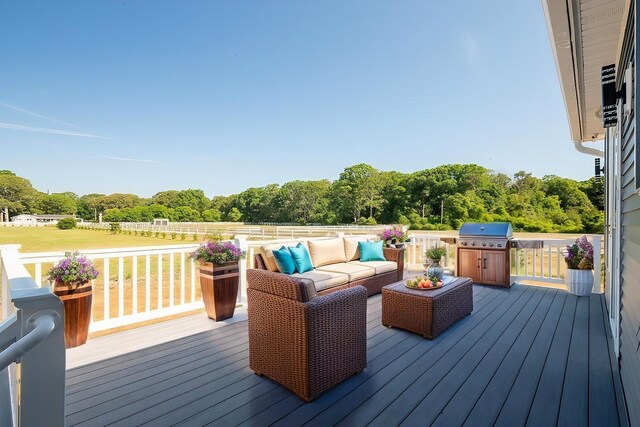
[
  {"x": 219, "y": 285},
  {"x": 77, "y": 302}
]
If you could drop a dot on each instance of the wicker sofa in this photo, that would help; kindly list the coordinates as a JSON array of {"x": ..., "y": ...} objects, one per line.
[
  {"x": 308, "y": 344},
  {"x": 337, "y": 266}
]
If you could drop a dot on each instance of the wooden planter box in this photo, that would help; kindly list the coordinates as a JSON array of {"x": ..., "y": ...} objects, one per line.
[{"x": 219, "y": 284}]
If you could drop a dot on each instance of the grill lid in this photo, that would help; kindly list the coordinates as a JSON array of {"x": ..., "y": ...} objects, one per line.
[{"x": 486, "y": 229}]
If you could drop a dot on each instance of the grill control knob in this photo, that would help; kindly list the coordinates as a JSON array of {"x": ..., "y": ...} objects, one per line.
[
  {"x": 490, "y": 245},
  {"x": 499, "y": 245},
  {"x": 473, "y": 243},
  {"x": 484, "y": 244}
]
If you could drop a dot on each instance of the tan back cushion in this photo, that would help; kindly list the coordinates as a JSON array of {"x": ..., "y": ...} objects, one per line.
[
  {"x": 324, "y": 252},
  {"x": 351, "y": 248},
  {"x": 267, "y": 252}
]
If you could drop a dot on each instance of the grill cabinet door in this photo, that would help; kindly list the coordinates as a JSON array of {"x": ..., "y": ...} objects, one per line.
[
  {"x": 469, "y": 264},
  {"x": 494, "y": 268}
]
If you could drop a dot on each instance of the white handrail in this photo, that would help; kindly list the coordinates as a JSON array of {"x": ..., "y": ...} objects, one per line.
[{"x": 43, "y": 325}]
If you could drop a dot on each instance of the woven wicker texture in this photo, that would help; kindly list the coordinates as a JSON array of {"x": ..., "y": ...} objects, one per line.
[
  {"x": 427, "y": 313},
  {"x": 307, "y": 347},
  {"x": 280, "y": 285}
]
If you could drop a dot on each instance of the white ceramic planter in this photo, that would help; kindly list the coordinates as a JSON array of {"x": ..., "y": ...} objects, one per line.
[{"x": 579, "y": 282}]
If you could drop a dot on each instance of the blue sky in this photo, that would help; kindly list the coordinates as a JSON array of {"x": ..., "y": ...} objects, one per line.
[{"x": 144, "y": 96}]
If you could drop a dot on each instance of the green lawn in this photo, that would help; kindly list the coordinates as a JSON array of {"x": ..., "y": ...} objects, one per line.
[{"x": 45, "y": 239}]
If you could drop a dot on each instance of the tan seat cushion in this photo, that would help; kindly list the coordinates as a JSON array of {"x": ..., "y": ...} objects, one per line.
[
  {"x": 379, "y": 266},
  {"x": 355, "y": 272},
  {"x": 323, "y": 279},
  {"x": 325, "y": 252},
  {"x": 267, "y": 252}
]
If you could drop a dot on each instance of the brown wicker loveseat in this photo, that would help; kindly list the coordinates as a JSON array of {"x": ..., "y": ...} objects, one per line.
[
  {"x": 337, "y": 265},
  {"x": 305, "y": 342}
]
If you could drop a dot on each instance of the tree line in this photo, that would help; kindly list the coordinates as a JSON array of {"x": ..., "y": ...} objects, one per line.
[{"x": 438, "y": 198}]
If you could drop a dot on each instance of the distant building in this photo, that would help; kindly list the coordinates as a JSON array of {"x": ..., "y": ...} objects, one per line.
[
  {"x": 160, "y": 221},
  {"x": 27, "y": 219}
]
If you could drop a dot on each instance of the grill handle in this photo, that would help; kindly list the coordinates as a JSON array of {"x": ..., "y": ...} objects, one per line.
[{"x": 484, "y": 261}]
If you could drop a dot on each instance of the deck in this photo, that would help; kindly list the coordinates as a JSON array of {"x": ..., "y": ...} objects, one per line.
[{"x": 525, "y": 356}]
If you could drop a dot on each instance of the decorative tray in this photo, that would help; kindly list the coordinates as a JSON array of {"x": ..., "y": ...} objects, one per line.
[{"x": 416, "y": 288}]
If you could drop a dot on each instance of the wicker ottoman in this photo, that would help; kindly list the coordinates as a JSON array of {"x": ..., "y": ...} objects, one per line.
[{"x": 429, "y": 312}]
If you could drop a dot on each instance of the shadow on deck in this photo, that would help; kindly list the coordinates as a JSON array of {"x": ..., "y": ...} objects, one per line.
[{"x": 526, "y": 355}]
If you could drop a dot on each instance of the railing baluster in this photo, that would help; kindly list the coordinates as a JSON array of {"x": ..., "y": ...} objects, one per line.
[
  {"x": 120, "y": 286},
  {"x": 550, "y": 266},
  {"x": 182, "y": 277},
  {"x": 558, "y": 259},
  {"x": 159, "y": 281},
  {"x": 518, "y": 261},
  {"x": 105, "y": 281},
  {"x": 147, "y": 283},
  {"x": 192, "y": 277},
  {"x": 526, "y": 262},
  {"x": 134, "y": 284},
  {"x": 38, "y": 274},
  {"x": 171, "y": 279}
]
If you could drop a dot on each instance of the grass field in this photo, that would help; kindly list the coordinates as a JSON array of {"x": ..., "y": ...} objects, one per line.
[{"x": 49, "y": 239}]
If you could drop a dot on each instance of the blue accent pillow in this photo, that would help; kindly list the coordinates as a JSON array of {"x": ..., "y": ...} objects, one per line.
[
  {"x": 284, "y": 260},
  {"x": 301, "y": 258},
  {"x": 371, "y": 251}
]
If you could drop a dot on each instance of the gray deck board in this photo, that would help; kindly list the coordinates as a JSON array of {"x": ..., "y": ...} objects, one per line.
[
  {"x": 574, "y": 409},
  {"x": 525, "y": 355}
]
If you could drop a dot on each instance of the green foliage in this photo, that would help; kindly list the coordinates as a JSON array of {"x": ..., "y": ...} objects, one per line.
[
  {"x": 440, "y": 198},
  {"x": 435, "y": 254},
  {"x": 174, "y": 235},
  {"x": 57, "y": 204},
  {"x": 66, "y": 223},
  {"x": 114, "y": 227}
]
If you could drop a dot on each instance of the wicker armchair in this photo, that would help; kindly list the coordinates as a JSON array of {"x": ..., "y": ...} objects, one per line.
[{"x": 305, "y": 342}]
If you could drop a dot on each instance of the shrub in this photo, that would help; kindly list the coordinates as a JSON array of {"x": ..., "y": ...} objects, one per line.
[
  {"x": 163, "y": 235},
  {"x": 371, "y": 221},
  {"x": 114, "y": 227},
  {"x": 156, "y": 234},
  {"x": 183, "y": 236},
  {"x": 174, "y": 235},
  {"x": 195, "y": 237},
  {"x": 67, "y": 223}
]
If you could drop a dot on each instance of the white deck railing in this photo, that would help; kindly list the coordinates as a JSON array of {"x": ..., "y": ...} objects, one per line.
[{"x": 135, "y": 284}]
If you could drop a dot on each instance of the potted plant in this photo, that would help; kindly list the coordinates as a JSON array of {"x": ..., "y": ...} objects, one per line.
[
  {"x": 219, "y": 275},
  {"x": 434, "y": 255},
  {"x": 393, "y": 237},
  {"x": 71, "y": 279},
  {"x": 579, "y": 259}
]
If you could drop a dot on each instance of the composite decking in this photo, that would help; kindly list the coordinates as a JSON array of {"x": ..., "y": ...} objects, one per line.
[{"x": 525, "y": 356}]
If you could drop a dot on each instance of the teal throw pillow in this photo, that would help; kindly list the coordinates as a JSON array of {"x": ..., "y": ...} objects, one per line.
[
  {"x": 301, "y": 258},
  {"x": 371, "y": 251},
  {"x": 284, "y": 260}
]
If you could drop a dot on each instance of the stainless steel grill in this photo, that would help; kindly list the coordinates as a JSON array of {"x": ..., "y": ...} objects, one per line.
[{"x": 485, "y": 235}]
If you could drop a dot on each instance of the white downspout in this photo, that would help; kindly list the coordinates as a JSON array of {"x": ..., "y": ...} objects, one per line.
[{"x": 588, "y": 150}]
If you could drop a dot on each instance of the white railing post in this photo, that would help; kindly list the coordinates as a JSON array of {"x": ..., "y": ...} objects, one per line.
[
  {"x": 240, "y": 241},
  {"x": 34, "y": 338},
  {"x": 597, "y": 248}
]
